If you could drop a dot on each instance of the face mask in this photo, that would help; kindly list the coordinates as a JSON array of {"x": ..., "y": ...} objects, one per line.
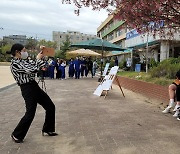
[{"x": 24, "y": 55}]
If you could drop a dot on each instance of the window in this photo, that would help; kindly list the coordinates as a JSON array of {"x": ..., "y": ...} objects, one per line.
[
  {"x": 110, "y": 37},
  {"x": 119, "y": 32}
]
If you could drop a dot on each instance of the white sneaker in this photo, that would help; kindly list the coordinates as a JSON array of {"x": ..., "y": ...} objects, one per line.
[
  {"x": 176, "y": 113},
  {"x": 178, "y": 118},
  {"x": 166, "y": 110},
  {"x": 176, "y": 107}
]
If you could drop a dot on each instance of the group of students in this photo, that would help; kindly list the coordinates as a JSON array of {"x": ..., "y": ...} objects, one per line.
[
  {"x": 50, "y": 66},
  {"x": 174, "y": 97},
  {"x": 81, "y": 66}
]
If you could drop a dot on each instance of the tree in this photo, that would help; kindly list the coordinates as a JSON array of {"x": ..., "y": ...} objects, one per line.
[
  {"x": 48, "y": 43},
  {"x": 3, "y": 55},
  {"x": 65, "y": 46},
  {"x": 144, "y": 15},
  {"x": 31, "y": 44}
]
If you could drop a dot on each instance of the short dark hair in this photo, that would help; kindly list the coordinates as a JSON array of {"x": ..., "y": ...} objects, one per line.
[
  {"x": 178, "y": 74},
  {"x": 14, "y": 48}
]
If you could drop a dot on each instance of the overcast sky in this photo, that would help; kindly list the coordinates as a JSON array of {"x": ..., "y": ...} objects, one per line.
[{"x": 38, "y": 18}]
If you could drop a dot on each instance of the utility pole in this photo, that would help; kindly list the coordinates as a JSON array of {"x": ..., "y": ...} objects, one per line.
[
  {"x": 102, "y": 56},
  {"x": 147, "y": 49},
  {"x": 1, "y": 28}
]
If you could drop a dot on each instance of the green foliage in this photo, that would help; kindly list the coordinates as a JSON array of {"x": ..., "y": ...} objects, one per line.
[
  {"x": 142, "y": 76},
  {"x": 49, "y": 44},
  {"x": 3, "y": 55},
  {"x": 162, "y": 81},
  {"x": 162, "y": 74},
  {"x": 65, "y": 47},
  {"x": 122, "y": 64},
  {"x": 112, "y": 62},
  {"x": 166, "y": 68},
  {"x": 59, "y": 54},
  {"x": 153, "y": 63},
  {"x": 31, "y": 43},
  {"x": 171, "y": 61}
]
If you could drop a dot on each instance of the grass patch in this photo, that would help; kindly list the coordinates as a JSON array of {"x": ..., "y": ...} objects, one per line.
[{"x": 142, "y": 76}]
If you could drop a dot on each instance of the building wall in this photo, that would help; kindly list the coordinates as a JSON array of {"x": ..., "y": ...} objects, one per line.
[
  {"x": 150, "y": 90},
  {"x": 112, "y": 30},
  {"x": 135, "y": 40},
  {"x": 60, "y": 37},
  {"x": 16, "y": 39},
  {"x": 116, "y": 32}
]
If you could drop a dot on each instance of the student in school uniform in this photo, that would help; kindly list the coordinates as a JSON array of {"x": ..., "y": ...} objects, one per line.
[
  {"x": 62, "y": 68},
  {"x": 71, "y": 68},
  {"x": 51, "y": 68},
  {"x": 77, "y": 67},
  {"x": 83, "y": 66},
  {"x": 95, "y": 66},
  {"x": 89, "y": 67},
  {"x": 57, "y": 69}
]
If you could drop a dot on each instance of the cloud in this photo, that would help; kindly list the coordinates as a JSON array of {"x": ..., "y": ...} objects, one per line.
[{"x": 40, "y": 18}]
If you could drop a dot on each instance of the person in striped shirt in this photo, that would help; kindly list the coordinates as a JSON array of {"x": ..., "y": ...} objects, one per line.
[{"x": 24, "y": 74}]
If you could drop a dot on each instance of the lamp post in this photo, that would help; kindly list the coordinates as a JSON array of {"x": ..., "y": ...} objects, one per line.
[
  {"x": 102, "y": 57},
  {"x": 1, "y": 28},
  {"x": 101, "y": 61},
  {"x": 147, "y": 48}
]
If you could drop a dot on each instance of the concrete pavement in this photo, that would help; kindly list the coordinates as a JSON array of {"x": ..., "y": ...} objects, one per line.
[
  {"x": 6, "y": 78},
  {"x": 88, "y": 124}
]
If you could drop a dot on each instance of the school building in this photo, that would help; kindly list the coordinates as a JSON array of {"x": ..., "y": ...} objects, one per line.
[
  {"x": 115, "y": 31},
  {"x": 74, "y": 37},
  {"x": 22, "y": 39}
]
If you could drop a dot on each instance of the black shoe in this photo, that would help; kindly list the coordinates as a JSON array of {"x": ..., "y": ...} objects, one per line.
[
  {"x": 16, "y": 140},
  {"x": 49, "y": 133}
]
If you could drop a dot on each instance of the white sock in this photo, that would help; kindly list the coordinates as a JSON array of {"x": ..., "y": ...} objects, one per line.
[{"x": 171, "y": 103}]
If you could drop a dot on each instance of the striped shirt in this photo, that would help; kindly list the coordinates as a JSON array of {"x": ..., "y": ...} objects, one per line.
[{"x": 24, "y": 71}]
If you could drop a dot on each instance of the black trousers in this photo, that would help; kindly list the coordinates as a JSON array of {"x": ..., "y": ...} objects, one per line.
[
  {"x": 83, "y": 70},
  {"x": 89, "y": 69},
  {"x": 58, "y": 74},
  {"x": 32, "y": 95}
]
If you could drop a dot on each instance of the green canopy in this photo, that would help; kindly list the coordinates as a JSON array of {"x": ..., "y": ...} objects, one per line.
[{"x": 98, "y": 44}]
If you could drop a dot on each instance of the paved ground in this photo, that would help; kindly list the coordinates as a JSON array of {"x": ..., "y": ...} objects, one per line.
[
  {"x": 5, "y": 76},
  {"x": 88, "y": 124}
]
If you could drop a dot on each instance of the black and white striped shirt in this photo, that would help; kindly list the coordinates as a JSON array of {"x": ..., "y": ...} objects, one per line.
[{"x": 24, "y": 71}]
